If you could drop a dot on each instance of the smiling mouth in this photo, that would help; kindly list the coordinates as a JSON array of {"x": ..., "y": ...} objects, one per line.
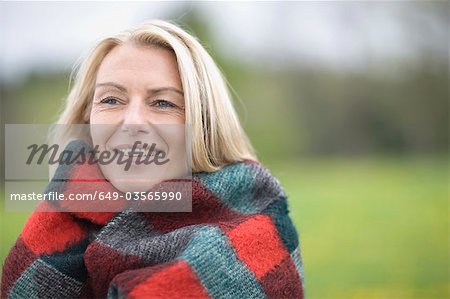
[
  {"x": 138, "y": 152},
  {"x": 130, "y": 151}
]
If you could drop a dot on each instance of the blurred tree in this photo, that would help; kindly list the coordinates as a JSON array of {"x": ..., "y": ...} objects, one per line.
[{"x": 388, "y": 107}]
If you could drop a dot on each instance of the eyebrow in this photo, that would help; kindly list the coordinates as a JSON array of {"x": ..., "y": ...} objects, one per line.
[
  {"x": 151, "y": 90},
  {"x": 161, "y": 89}
]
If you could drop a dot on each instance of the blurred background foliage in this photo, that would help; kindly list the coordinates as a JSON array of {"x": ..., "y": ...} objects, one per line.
[{"x": 362, "y": 152}]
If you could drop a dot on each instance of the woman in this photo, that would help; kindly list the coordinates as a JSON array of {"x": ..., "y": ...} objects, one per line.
[{"x": 237, "y": 242}]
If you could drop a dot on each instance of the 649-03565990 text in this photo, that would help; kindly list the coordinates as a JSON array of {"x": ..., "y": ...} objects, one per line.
[{"x": 98, "y": 195}]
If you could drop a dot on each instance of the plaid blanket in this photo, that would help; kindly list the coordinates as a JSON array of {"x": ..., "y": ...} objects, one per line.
[{"x": 238, "y": 242}]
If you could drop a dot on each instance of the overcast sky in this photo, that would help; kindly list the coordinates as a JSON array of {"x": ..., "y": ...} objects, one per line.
[{"x": 54, "y": 35}]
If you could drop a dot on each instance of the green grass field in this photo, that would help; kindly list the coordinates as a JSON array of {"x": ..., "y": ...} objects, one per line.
[{"x": 369, "y": 228}]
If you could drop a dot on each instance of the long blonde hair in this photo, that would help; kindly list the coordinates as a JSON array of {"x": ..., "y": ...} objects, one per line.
[{"x": 217, "y": 136}]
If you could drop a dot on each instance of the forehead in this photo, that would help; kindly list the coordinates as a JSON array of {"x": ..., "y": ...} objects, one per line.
[{"x": 143, "y": 63}]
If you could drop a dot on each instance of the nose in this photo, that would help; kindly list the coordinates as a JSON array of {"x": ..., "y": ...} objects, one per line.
[{"x": 135, "y": 120}]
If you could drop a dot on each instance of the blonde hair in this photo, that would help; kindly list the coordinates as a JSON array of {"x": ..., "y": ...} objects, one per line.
[{"x": 217, "y": 136}]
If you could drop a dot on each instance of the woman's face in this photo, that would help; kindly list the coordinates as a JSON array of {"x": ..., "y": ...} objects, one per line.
[{"x": 139, "y": 101}]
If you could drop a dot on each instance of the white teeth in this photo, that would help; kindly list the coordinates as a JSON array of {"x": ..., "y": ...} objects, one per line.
[{"x": 136, "y": 152}]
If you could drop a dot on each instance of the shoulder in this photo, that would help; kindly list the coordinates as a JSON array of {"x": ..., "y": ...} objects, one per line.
[
  {"x": 250, "y": 170},
  {"x": 248, "y": 185}
]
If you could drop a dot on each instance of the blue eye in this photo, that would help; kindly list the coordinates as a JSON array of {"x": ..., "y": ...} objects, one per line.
[
  {"x": 110, "y": 101},
  {"x": 163, "y": 104}
]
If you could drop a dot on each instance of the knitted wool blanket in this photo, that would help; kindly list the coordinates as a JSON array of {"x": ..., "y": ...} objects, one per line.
[{"x": 238, "y": 242}]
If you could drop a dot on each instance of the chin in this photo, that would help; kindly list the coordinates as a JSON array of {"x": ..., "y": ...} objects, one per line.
[{"x": 134, "y": 186}]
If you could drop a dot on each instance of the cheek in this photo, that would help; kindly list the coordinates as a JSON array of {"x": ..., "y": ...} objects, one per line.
[
  {"x": 174, "y": 136},
  {"x": 98, "y": 116},
  {"x": 166, "y": 119},
  {"x": 181, "y": 120},
  {"x": 101, "y": 134},
  {"x": 172, "y": 117}
]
